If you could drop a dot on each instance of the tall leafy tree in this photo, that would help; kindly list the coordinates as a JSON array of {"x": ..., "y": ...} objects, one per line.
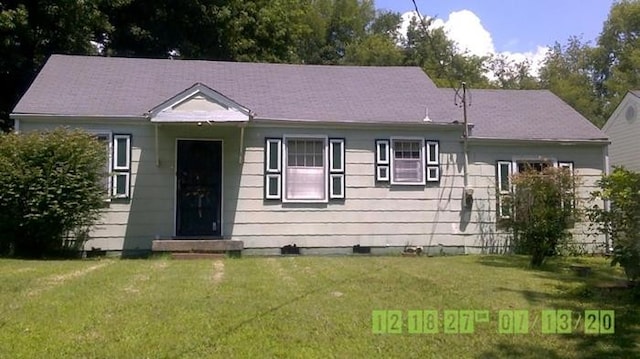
[
  {"x": 31, "y": 30},
  {"x": 569, "y": 71},
  {"x": 511, "y": 74},
  {"x": 431, "y": 49},
  {"x": 619, "y": 53}
]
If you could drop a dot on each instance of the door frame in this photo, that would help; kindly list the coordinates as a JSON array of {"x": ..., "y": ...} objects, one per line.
[{"x": 175, "y": 180}]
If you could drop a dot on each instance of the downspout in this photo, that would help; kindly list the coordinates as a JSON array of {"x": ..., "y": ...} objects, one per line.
[
  {"x": 467, "y": 195},
  {"x": 241, "y": 155},
  {"x": 465, "y": 137},
  {"x": 607, "y": 203},
  {"x": 16, "y": 125},
  {"x": 156, "y": 144}
]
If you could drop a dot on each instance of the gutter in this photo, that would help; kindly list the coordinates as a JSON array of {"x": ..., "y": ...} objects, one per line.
[
  {"x": 31, "y": 116},
  {"x": 283, "y": 122},
  {"x": 559, "y": 141}
]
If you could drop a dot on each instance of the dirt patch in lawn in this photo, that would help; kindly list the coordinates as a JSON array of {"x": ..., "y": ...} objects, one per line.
[
  {"x": 56, "y": 280},
  {"x": 218, "y": 271},
  {"x": 138, "y": 280}
]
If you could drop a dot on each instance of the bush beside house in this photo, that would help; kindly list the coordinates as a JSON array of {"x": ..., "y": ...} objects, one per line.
[{"x": 51, "y": 189}]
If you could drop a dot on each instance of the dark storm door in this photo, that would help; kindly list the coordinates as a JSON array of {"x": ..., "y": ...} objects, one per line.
[{"x": 199, "y": 188}]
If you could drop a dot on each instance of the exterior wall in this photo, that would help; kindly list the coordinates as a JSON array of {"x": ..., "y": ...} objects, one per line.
[
  {"x": 372, "y": 214},
  {"x": 624, "y": 134},
  {"x": 376, "y": 215},
  {"x": 589, "y": 164}
]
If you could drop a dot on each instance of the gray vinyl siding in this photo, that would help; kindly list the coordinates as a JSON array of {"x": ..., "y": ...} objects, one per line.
[
  {"x": 372, "y": 214},
  {"x": 624, "y": 135},
  {"x": 589, "y": 165}
]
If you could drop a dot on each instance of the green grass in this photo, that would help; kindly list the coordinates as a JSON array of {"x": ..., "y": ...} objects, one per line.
[{"x": 298, "y": 307}]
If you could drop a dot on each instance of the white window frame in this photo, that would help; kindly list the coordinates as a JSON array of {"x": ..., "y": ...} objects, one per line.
[
  {"x": 502, "y": 192},
  {"x": 285, "y": 160},
  {"x": 421, "y": 160},
  {"x": 109, "y": 174},
  {"x": 432, "y": 161},
  {"x": 127, "y": 186},
  {"x": 116, "y": 150},
  {"x": 436, "y": 176},
  {"x": 379, "y": 176},
  {"x": 379, "y": 152},
  {"x": 278, "y": 177},
  {"x": 331, "y": 188},
  {"x": 332, "y": 144},
  {"x": 278, "y": 143}
]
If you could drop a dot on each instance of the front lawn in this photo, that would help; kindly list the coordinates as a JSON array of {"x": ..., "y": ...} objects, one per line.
[{"x": 305, "y": 307}]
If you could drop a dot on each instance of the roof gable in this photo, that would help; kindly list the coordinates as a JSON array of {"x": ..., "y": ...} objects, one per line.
[
  {"x": 199, "y": 103},
  {"x": 628, "y": 109}
]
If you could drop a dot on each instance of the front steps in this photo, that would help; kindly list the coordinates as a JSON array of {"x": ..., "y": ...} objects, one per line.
[{"x": 197, "y": 248}]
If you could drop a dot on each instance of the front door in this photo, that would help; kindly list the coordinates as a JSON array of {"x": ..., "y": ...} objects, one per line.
[{"x": 199, "y": 188}]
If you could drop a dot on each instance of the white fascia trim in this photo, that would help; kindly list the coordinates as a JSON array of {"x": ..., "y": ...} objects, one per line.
[
  {"x": 46, "y": 117},
  {"x": 275, "y": 123},
  {"x": 566, "y": 142},
  {"x": 195, "y": 89}
]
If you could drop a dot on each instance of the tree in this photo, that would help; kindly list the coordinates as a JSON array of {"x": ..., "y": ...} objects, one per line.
[
  {"x": 431, "y": 49},
  {"x": 569, "y": 71},
  {"x": 51, "y": 186},
  {"x": 31, "y": 30},
  {"x": 619, "y": 53},
  {"x": 511, "y": 74},
  {"x": 543, "y": 207},
  {"x": 621, "y": 222}
]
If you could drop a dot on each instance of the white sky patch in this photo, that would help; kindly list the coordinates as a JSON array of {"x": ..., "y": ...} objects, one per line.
[{"x": 466, "y": 30}]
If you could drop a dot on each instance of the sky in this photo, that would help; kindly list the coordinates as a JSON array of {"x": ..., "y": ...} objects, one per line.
[{"x": 518, "y": 29}]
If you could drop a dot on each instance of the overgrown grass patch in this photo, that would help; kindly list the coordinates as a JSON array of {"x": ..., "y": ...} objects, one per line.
[{"x": 299, "y": 307}]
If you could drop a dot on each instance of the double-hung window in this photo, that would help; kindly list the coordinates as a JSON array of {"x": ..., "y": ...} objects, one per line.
[
  {"x": 407, "y": 161},
  {"x": 506, "y": 169},
  {"x": 305, "y": 169},
  {"x": 407, "y": 166}
]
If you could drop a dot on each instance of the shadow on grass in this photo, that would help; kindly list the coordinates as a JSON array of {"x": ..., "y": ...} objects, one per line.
[{"x": 577, "y": 294}]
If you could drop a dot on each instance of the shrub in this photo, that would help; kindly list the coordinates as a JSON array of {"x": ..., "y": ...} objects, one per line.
[
  {"x": 50, "y": 188},
  {"x": 543, "y": 208},
  {"x": 621, "y": 222}
]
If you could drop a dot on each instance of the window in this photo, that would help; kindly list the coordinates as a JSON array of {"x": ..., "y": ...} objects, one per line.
[
  {"x": 305, "y": 175},
  {"x": 304, "y": 169},
  {"x": 504, "y": 171},
  {"x": 407, "y": 161}
]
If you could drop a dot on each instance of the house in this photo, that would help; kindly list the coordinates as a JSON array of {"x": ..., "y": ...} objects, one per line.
[
  {"x": 260, "y": 156},
  {"x": 623, "y": 128}
]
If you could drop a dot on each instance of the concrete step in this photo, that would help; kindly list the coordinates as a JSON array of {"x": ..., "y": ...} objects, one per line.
[
  {"x": 196, "y": 245},
  {"x": 197, "y": 255}
]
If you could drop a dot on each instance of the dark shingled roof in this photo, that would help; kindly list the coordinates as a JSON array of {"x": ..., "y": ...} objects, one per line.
[
  {"x": 113, "y": 87},
  {"x": 526, "y": 114},
  {"x": 109, "y": 86}
]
